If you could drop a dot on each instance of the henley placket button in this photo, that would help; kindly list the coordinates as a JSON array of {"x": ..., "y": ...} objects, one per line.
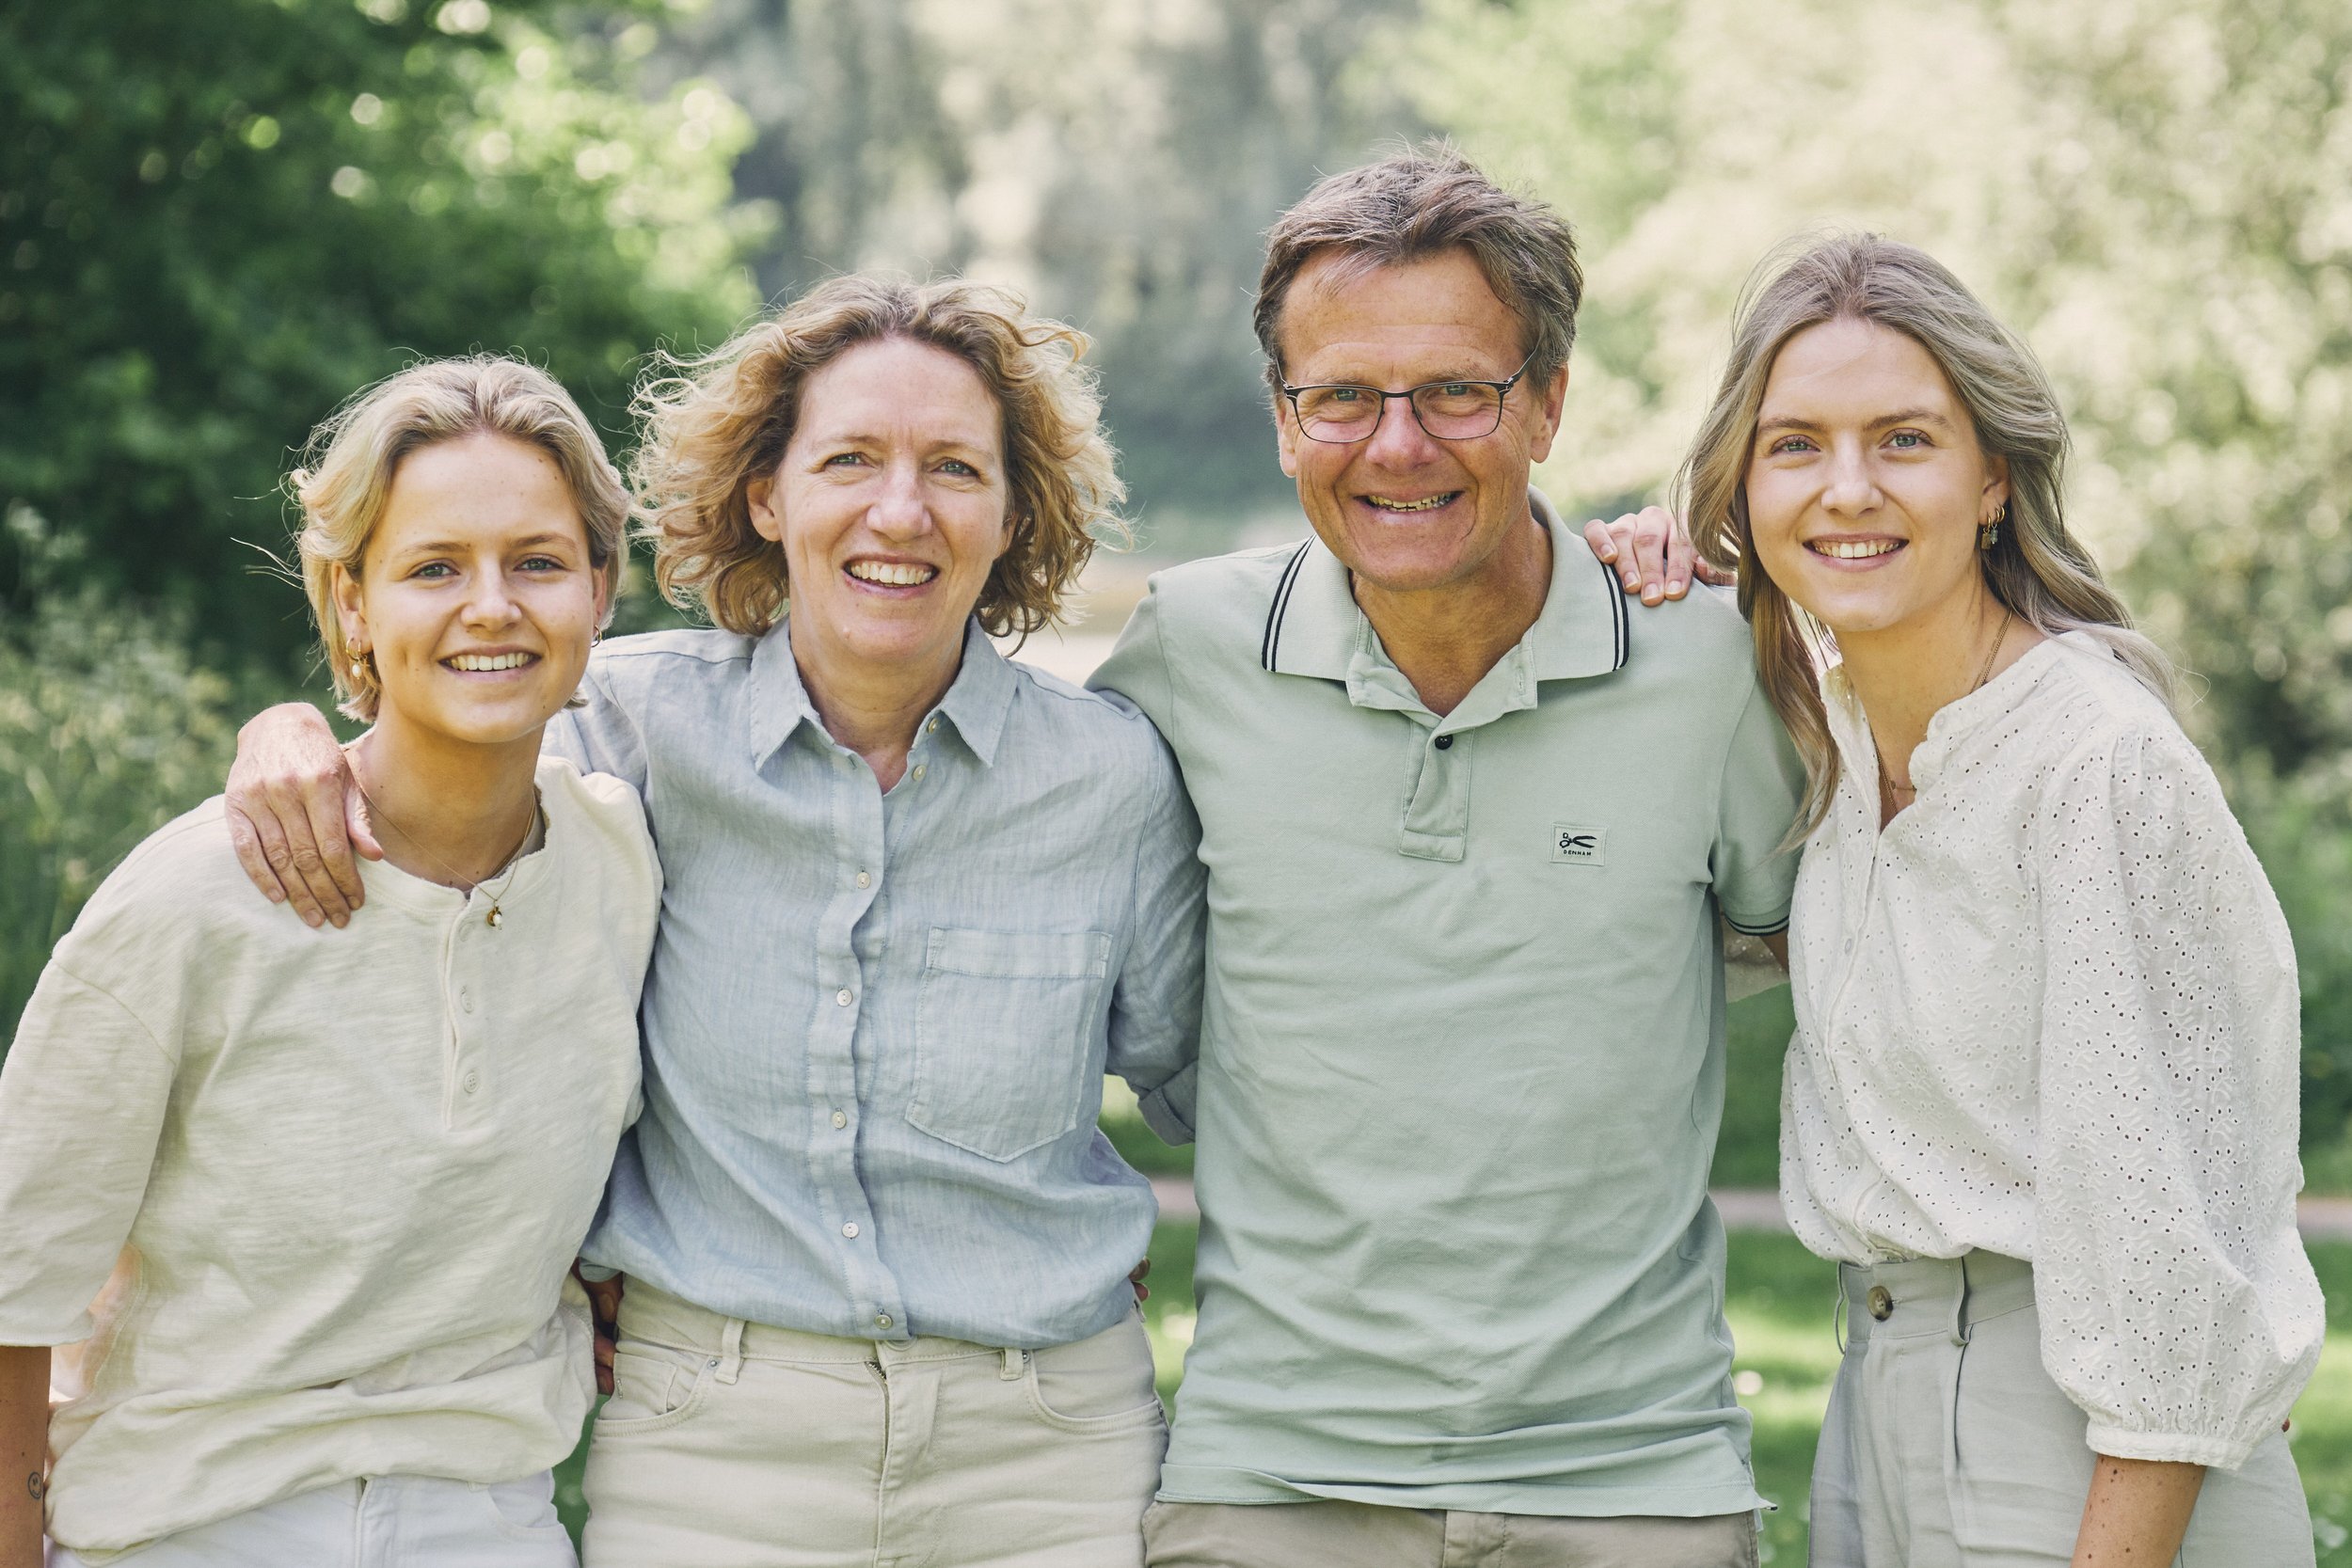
[
  {"x": 918, "y": 772},
  {"x": 842, "y": 997},
  {"x": 473, "y": 1081},
  {"x": 465, "y": 1000}
]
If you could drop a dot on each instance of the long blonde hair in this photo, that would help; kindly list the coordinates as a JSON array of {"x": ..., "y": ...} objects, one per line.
[
  {"x": 2038, "y": 569},
  {"x": 713, "y": 425}
]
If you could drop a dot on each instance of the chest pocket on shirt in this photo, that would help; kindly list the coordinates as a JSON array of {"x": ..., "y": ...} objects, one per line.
[{"x": 1001, "y": 1036}]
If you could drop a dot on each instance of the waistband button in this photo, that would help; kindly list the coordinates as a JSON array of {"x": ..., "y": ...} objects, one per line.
[{"x": 1881, "y": 1302}]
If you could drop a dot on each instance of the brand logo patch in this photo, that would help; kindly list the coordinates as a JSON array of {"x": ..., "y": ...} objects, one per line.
[{"x": 1574, "y": 846}]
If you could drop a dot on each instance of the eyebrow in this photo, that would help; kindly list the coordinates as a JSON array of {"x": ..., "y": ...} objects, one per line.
[
  {"x": 1902, "y": 416},
  {"x": 450, "y": 547}
]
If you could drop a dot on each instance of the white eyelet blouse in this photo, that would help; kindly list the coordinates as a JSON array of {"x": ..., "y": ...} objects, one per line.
[{"x": 2051, "y": 1011}]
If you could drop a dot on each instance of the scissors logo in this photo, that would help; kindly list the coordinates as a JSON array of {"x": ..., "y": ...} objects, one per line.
[{"x": 1572, "y": 845}]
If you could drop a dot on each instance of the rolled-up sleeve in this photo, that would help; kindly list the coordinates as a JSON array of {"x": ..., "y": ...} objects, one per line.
[
  {"x": 82, "y": 1102},
  {"x": 2178, "y": 1308}
]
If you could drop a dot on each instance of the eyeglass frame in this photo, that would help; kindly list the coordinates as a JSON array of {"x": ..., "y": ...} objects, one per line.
[{"x": 1502, "y": 392}]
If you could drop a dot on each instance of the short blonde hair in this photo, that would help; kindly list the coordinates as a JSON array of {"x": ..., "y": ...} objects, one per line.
[
  {"x": 349, "y": 465},
  {"x": 714, "y": 424}
]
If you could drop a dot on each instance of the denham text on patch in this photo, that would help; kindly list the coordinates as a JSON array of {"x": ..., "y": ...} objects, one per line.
[{"x": 1574, "y": 846}]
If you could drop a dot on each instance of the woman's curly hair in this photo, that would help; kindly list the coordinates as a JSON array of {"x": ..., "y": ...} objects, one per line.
[{"x": 713, "y": 425}]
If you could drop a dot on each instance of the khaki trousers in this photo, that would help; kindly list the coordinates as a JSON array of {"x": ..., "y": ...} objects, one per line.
[
  {"x": 1334, "y": 1534},
  {"x": 734, "y": 1444},
  {"x": 1947, "y": 1445}
]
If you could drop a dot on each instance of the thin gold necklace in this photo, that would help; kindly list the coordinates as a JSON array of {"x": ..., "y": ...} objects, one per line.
[
  {"x": 1984, "y": 673},
  {"x": 506, "y": 867}
]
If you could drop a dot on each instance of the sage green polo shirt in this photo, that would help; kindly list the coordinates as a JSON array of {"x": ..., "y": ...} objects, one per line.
[{"x": 1462, "y": 1059}]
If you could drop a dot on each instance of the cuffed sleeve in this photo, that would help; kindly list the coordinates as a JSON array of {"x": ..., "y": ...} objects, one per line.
[
  {"x": 82, "y": 1102},
  {"x": 2178, "y": 1309}
]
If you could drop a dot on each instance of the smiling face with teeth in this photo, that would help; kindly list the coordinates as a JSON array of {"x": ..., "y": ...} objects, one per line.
[
  {"x": 1410, "y": 513},
  {"x": 1866, "y": 485},
  {"x": 476, "y": 595},
  {"x": 891, "y": 505}
]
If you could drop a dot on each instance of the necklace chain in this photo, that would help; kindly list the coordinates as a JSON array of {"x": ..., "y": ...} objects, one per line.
[
  {"x": 506, "y": 867},
  {"x": 1984, "y": 673}
]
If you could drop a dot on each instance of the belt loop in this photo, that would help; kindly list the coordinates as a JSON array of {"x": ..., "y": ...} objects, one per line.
[
  {"x": 1015, "y": 1360},
  {"x": 731, "y": 1351},
  {"x": 1962, "y": 1328}
]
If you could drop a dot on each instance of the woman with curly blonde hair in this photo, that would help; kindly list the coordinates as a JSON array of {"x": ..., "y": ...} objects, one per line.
[{"x": 918, "y": 899}]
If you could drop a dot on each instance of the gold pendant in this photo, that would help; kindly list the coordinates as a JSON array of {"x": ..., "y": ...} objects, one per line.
[{"x": 493, "y": 919}]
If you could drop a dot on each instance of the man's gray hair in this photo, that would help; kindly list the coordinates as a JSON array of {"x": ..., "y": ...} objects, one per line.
[{"x": 1421, "y": 202}]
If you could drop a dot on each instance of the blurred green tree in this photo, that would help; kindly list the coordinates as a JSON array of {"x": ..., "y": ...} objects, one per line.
[{"x": 217, "y": 223}]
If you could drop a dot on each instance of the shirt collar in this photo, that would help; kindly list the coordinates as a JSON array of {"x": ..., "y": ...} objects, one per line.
[
  {"x": 977, "y": 701},
  {"x": 1314, "y": 629}
]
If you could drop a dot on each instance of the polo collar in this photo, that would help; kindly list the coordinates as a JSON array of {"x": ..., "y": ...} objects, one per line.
[
  {"x": 977, "y": 703},
  {"x": 1314, "y": 629}
]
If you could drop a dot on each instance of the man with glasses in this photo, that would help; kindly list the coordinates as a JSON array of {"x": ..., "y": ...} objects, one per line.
[{"x": 1469, "y": 832}]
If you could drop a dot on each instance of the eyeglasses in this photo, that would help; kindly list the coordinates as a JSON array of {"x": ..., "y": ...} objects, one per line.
[{"x": 1343, "y": 414}]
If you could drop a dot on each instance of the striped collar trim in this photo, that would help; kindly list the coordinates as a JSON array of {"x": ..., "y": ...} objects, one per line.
[{"x": 1314, "y": 629}]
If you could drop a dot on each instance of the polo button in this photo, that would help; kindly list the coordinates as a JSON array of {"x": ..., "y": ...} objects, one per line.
[
  {"x": 865, "y": 879},
  {"x": 850, "y": 1231},
  {"x": 882, "y": 1319},
  {"x": 473, "y": 1081},
  {"x": 842, "y": 997},
  {"x": 1882, "y": 1303},
  {"x": 839, "y": 1120},
  {"x": 1445, "y": 743},
  {"x": 918, "y": 772}
]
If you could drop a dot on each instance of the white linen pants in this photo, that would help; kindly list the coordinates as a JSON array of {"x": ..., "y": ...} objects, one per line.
[
  {"x": 734, "y": 1444},
  {"x": 1947, "y": 1446},
  {"x": 383, "y": 1522}
]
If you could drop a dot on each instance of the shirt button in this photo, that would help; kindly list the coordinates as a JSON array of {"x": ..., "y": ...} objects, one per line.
[
  {"x": 882, "y": 1319},
  {"x": 931, "y": 728},
  {"x": 865, "y": 879},
  {"x": 918, "y": 772},
  {"x": 850, "y": 1231},
  {"x": 841, "y": 1119},
  {"x": 1445, "y": 743},
  {"x": 842, "y": 997},
  {"x": 473, "y": 1081},
  {"x": 1882, "y": 1303},
  {"x": 465, "y": 1000}
]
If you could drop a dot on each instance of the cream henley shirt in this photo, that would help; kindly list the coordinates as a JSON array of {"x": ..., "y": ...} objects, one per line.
[{"x": 351, "y": 1169}]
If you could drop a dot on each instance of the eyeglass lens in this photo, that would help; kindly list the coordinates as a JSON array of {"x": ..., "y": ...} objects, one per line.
[{"x": 1449, "y": 410}]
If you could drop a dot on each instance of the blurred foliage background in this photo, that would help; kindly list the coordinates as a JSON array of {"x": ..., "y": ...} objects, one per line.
[{"x": 216, "y": 223}]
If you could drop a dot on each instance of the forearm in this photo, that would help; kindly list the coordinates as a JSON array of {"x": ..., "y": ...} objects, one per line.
[
  {"x": 2136, "y": 1512},
  {"x": 24, "y": 1453}
]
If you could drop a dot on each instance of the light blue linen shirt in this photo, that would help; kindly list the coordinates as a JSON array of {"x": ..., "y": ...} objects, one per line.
[{"x": 876, "y": 1025}]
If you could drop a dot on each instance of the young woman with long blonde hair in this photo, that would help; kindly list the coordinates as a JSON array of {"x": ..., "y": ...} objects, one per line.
[{"x": 2040, "y": 1107}]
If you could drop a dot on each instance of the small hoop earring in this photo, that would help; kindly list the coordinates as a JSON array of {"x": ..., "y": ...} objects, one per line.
[
  {"x": 1990, "y": 534},
  {"x": 596, "y": 637}
]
